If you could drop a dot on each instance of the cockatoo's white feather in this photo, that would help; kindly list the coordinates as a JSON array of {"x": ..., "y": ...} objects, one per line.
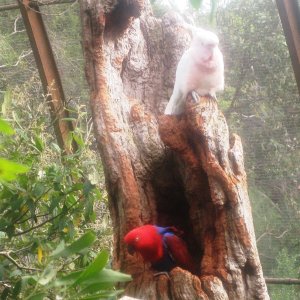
[{"x": 200, "y": 69}]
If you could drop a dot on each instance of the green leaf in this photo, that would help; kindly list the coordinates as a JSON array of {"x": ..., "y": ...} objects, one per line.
[
  {"x": 103, "y": 295},
  {"x": 97, "y": 265},
  {"x": 108, "y": 275},
  {"x": 82, "y": 243},
  {"x": 17, "y": 289},
  {"x": 87, "y": 187},
  {"x": 78, "y": 140},
  {"x": 4, "y": 294},
  {"x": 39, "y": 296},
  {"x": 31, "y": 280},
  {"x": 6, "y": 128},
  {"x": 68, "y": 119},
  {"x": 6, "y": 102},
  {"x": 96, "y": 287},
  {"x": 68, "y": 279},
  {"x": 55, "y": 201},
  {"x": 76, "y": 187},
  {"x": 9, "y": 169},
  {"x": 60, "y": 247},
  {"x": 38, "y": 143},
  {"x": 196, "y": 3},
  {"x": 56, "y": 148},
  {"x": 48, "y": 274}
]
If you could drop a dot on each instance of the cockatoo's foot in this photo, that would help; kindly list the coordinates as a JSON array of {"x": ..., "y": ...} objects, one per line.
[
  {"x": 212, "y": 99},
  {"x": 195, "y": 97},
  {"x": 161, "y": 273}
]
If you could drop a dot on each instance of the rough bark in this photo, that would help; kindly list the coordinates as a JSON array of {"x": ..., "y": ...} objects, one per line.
[{"x": 186, "y": 172}]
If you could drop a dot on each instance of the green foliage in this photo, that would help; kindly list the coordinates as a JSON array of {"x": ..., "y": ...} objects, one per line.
[
  {"x": 49, "y": 234},
  {"x": 196, "y": 3},
  {"x": 40, "y": 212},
  {"x": 191, "y": 9},
  {"x": 9, "y": 169},
  {"x": 5, "y": 128},
  {"x": 261, "y": 103},
  {"x": 93, "y": 281},
  {"x": 287, "y": 267}
]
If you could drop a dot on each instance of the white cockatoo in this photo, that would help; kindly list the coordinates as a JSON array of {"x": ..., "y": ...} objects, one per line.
[{"x": 200, "y": 69}]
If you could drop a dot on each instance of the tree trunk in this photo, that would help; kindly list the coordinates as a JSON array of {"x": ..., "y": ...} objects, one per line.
[{"x": 181, "y": 171}]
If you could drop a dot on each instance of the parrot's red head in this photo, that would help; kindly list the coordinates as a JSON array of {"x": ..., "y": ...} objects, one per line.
[{"x": 147, "y": 241}]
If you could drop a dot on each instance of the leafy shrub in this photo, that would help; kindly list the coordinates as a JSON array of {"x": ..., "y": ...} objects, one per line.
[
  {"x": 43, "y": 207},
  {"x": 286, "y": 267}
]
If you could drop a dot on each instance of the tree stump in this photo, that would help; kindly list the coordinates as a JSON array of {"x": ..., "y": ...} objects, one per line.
[{"x": 182, "y": 171}]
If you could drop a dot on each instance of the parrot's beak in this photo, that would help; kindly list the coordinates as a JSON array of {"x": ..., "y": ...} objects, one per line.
[{"x": 130, "y": 249}]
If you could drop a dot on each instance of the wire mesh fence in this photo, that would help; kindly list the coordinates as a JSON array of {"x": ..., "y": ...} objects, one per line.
[{"x": 261, "y": 104}]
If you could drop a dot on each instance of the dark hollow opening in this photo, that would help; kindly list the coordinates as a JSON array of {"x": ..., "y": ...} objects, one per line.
[{"x": 173, "y": 207}]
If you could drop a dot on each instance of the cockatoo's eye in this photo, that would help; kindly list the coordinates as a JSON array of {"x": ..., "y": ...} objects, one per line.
[{"x": 210, "y": 46}]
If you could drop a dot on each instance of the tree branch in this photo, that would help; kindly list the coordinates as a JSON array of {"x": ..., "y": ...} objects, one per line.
[
  {"x": 6, "y": 254},
  {"x": 271, "y": 280},
  {"x": 46, "y": 221},
  {"x": 36, "y": 216},
  {"x": 38, "y": 225},
  {"x": 23, "y": 55},
  {"x": 16, "y": 26},
  {"x": 17, "y": 220}
]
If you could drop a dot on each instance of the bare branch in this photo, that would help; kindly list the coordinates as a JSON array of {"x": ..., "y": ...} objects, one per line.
[
  {"x": 22, "y": 249},
  {"x": 262, "y": 235},
  {"x": 38, "y": 225},
  {"x": 17, "y": 220},
  {"x": 270, "y": 233},
  {"x": 46, "y": 221},
  {"x": 5, "y": 284},
  {"x": 271, "y": 280},
  {"x": 23, "y": 55},
  {"x": 280, "y": 236},
  {"x": 6, "y": 254},
  {"x": 16, "y": 25}
]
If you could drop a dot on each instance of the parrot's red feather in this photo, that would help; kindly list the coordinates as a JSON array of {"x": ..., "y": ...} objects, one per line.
[
  {"x": 179, "y": 251},
  {"x": 147, "y": 241},
  {"x": 161, "y": 246}
]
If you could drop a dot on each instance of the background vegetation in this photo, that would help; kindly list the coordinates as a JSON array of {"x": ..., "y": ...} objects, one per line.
[
  {"x": 63, "y": 199},
  {"x": 55, "y": 234},
  {"x": 261, "y": 103}
]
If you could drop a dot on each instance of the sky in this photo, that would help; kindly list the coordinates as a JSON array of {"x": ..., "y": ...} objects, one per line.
[{"x": 181, "y": 4}]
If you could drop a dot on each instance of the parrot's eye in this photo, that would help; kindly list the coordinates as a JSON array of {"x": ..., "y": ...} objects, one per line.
[
  {"x": 137, "y": 239},
  {"x": 131, "y": 249}
]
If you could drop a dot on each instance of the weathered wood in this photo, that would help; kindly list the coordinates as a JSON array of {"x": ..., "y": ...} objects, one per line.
[
  {"x": 186, "y": 172},
  {"x": 289, "y": 13},
  {"x": 35, "y": 3},
  {"x": 224, "y": 224}
]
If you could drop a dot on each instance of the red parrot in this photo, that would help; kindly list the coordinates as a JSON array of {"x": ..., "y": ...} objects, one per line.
[{"x": 161, "y": 246}]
